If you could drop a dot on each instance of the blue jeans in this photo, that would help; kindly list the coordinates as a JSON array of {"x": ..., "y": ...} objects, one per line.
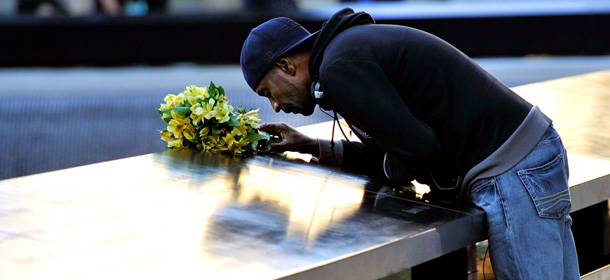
[{"x": 527, "y": 215}]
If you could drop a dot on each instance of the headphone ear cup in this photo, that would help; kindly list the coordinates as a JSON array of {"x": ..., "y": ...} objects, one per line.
[{"x": 316, "y": 92}]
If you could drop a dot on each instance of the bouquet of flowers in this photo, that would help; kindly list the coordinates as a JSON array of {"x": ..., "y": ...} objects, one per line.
[{"x": 202, "y": 118}]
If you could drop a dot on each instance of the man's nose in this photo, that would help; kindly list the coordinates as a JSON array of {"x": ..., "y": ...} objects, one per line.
[{"x": 275, "y": 105}]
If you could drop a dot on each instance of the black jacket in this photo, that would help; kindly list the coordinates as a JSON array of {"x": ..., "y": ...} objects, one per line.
[{"x": 412, "y": 98}]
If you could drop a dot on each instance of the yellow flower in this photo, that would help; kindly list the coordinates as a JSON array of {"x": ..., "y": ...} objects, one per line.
[
  {"x": 251, "y": 118},
  {"x": 180, "y": 98},
  {"x": 204, "y": 131},
  {"x": 237, "y": 150},
  {"x": 240, "y": 147},
  {"x": 169, "y": 100},
  {"x": 176, "y": 127},
  {"x": 189, "y": 132},
  {"x": 208, "y": 142},
  {"x": 229, "y": 140},
  {"x": 171, "y": 141},
  {"x": 241, "y": 130},
  {"x": 179, "y": 117},
  {"x": 178, "y": 124},
  {"x": 252, "y": 114},
  {"x": 194, "y": 90},
  {"x": 195, "y": 94},
  {"x": 208, "y": 109},
  {"x": 215, "y": 143},
  {"x": 166, "y": 136},
  {"x": 173, "y": 100},
  {"x": 197, "y": 113},
  {"x": 197, "y": 119},
  {"x": 176, "y": 143},
  {"x": 222, "y": 112},
  {"x": 219, "y": 149},
  {"x": 223, "y": 98}
]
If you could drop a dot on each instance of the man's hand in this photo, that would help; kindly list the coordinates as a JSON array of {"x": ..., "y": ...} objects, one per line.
[{"x": 290, "y": 139}]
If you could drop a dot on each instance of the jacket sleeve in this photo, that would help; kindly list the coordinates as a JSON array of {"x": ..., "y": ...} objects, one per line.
[
  {"x": 360, "y": 91},
  {"x": 352, "y": 156}
]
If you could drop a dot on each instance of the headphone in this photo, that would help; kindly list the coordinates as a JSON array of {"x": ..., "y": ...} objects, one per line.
[
  {"x": 317, "y": 94},
  {"x": 316, "y": 91}
]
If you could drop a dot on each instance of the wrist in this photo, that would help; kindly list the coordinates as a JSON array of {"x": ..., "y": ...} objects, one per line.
[
  {"x": 312, "y": 147},
  {"x": 330, "y": 153}
]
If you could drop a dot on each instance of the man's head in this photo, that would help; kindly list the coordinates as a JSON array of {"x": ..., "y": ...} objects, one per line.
[{"x": 274, "y": 61}]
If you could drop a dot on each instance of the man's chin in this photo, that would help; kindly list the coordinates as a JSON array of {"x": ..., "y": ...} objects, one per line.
[
  {"x": 305, "y": 111},
  {"x": 308, "y": 112}
]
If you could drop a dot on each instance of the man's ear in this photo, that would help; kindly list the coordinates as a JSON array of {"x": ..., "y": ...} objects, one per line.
[{"x": 286, "y": 65}]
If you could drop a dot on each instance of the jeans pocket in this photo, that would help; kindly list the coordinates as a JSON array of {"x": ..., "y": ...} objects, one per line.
[{"x": 548, "y": 188}]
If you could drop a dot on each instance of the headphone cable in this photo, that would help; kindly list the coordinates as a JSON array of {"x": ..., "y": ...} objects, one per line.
[{"x": 336, "y": 119}]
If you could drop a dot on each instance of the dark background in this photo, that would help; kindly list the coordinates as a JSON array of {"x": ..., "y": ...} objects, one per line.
[{"x": 217, "y": 38}]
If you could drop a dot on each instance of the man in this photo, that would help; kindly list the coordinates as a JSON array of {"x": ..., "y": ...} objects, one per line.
[
  {"x": 36, "y": 7},
  {"x": 424, "y": 111}
]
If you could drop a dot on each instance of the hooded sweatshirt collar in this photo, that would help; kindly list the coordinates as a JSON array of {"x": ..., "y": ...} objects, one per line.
[{"x": 340, "y": 21}]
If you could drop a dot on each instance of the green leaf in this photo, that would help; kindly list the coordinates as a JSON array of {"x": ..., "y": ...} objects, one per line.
[
  {"x": 179, "y": 109},
  {"x": 233, "y": 121},
  {"x": 216, "y": 129},
  {"x": 212, "y": 90},
  {"x": 182, "y": 110},
  {"x": 253, "y": 137},
  {"x": 253, "y": 147},
  {"x": 241, "y": 110}
]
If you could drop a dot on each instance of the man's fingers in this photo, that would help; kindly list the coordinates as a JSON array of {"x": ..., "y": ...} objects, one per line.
[
  {"x": 275, "y": 129},
  {"x": 276, "y": 147},
  {"x": 279, "y": 129},
  {"x": 272, "y": 127},
  {"x": 279, "y": 147}
]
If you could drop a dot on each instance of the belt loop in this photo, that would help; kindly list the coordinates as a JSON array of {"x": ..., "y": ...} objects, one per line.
[{"x": 458, "y": 181}]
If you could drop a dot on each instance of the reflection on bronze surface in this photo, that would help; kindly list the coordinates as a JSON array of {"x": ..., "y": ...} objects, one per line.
[
  {"x": 580, "y": 109},
  {"x": 183, "y": 214}
]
